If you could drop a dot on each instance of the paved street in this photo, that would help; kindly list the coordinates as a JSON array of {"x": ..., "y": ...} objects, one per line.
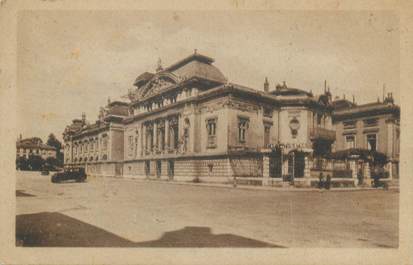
[{"x": 129, "y": 213}]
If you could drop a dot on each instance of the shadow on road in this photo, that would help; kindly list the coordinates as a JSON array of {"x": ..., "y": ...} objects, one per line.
[
  {"x": 21, "y": 193},
  {"x": 51, "y": 229}
]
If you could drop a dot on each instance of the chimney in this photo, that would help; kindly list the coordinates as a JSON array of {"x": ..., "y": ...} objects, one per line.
[
  {"x": 266, "y": 85},
  {"x": 84, "y": 118}
]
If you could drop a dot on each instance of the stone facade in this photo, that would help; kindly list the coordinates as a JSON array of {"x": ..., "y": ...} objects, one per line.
[{"x": 188, "y": 123}]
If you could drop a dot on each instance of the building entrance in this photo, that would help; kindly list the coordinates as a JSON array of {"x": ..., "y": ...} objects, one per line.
[
  {"x": 171, "y": 169},
  {"x": 275, "y": 164},
  {"x": 296, "y": 165},
  {"x": 158, "y": 168}
]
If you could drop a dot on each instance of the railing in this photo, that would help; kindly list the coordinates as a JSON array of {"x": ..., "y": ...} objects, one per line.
[{"x": 322, "y": 133}]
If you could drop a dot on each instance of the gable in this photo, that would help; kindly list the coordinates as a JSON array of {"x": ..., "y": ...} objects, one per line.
[{"x": 158, "y": 84}]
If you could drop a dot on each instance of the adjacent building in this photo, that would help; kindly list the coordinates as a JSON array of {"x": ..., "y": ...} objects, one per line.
[
  {"x": 186, "y": 122},
  {"x": 34, "y": 146},
  {"x": 373, "y": 126}
]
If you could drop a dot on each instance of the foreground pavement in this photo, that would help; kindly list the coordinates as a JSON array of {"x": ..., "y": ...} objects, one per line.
[{"x": 112, "y": 212}]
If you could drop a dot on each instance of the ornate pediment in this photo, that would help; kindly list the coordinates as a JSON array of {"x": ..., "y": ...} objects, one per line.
[{"x": 157, "y": 84}]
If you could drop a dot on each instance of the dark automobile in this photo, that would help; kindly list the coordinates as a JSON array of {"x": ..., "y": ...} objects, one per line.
[{"x": 76, "y": 174}]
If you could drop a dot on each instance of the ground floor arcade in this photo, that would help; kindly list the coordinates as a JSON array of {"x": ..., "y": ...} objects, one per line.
[{"x": 271, "y": 167}]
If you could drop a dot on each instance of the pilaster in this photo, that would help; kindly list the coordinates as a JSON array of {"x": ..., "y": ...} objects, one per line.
[{"x": 366, "y": 174}]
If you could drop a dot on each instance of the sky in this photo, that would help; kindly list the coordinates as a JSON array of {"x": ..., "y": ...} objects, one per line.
[{"x": 71, "y": 62}]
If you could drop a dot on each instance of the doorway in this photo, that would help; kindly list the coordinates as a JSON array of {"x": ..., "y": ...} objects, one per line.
[
  {"x": 296, "y": 165},
  {"x": 171, "y": 169},
  {"x": 158, "y": 168},
  {"x": 275, "y": 164},
  {"x": 147, "y": 168}
]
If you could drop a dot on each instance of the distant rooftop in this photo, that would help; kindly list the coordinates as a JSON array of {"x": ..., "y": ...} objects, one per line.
[{"x": 33, "y": 143}]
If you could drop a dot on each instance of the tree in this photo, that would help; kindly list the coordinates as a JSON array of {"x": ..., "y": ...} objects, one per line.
[
  {"x": 35, "y": 162},
  {"x": 22, "y": 163},
  {"x": 53, "y": 141}
]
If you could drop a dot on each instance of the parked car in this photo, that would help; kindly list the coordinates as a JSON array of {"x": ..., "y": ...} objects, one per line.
[{"x": 77, "y": 174}]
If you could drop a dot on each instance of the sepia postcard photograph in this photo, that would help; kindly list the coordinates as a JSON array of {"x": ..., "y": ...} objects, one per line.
[{"x": 191, "y": 130}]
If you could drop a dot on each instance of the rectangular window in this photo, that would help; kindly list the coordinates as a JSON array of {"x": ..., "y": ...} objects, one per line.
[
  {"x": 242, "y": 129},
  {"x": 173, "y": 134},
  {"x": 130, "y": 145},
  {"x": 149, "y": 143},
  {"x": 104, "y": 143},
  {"x": 161, "y": 136},
  {"x": 371, "y": 142},
  {"x": 350, "y": 141},
  {"x": 267, "y": 130},
  {"x": 211, "y": 125},
  {"x": 136, "y": 145}
]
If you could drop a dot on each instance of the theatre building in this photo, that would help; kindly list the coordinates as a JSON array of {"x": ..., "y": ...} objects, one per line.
[{"x": 186, "y": 122}]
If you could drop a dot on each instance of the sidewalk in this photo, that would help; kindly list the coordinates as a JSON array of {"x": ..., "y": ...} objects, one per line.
[{"x": 247, "y": 187}]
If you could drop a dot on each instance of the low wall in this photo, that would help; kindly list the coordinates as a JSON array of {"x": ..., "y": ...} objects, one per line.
[
  {"x": 102, "y": 169},
  {"x": 202, "y": 170}
]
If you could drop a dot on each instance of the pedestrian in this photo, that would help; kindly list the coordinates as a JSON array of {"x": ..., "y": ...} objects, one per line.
[
  {"x": 321, "y": 181},
  {"x": 328, "y": 182},
  {"x": 360, "y": 176}
]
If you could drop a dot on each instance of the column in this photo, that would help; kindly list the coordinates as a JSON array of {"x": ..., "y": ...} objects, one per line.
[
  {"x": 166, "y": 135},
  {"x": 389, "y": 166},
  {"x": 366, "y": 174},
  {"x": 307, "y": 172},
  {"x": 353, "y": 167},
  {"x": 144, "y": 140},
  {"x": 265, "y": 170},
  {"x": 155, "y": 136},
  {"x": 110, "y": 145}
]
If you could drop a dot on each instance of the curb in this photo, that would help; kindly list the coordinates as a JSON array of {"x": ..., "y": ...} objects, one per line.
[{"x": 244, "y": 187}]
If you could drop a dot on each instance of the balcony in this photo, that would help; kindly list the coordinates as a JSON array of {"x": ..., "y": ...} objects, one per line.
[{"x": 322, "y": 133}]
